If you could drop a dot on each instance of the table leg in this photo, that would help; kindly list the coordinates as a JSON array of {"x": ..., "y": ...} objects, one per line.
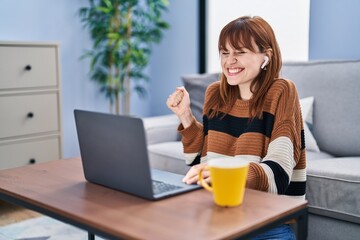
[
  {"x": 302, "y": 226},
  {"x": 91, "y": 236}
]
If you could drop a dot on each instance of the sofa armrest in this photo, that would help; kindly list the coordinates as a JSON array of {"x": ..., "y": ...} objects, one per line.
[{"x": 161, "y": 128}]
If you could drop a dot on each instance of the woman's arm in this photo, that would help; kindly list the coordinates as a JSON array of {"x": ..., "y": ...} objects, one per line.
[{"x": 282, "y": 170}]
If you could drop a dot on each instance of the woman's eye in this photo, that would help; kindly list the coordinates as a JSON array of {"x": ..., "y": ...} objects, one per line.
[{"x": 224, "y": 53}]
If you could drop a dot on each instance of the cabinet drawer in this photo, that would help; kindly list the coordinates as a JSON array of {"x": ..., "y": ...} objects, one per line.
[
  {"x": 27, "y": 67},
  {"x": 29, "y": 152},
  {"x": 28, "y": 114}
]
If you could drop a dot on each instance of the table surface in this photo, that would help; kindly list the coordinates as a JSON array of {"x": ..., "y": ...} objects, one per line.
[{"x": 58, "y": 189}]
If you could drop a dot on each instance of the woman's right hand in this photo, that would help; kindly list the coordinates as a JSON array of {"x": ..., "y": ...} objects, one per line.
[
  {"x": 179, "y": 103},
  {"x": 192, "y": 176}
]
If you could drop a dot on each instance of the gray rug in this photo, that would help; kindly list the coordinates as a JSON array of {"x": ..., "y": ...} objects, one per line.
[{"x": 42, "y": 228}]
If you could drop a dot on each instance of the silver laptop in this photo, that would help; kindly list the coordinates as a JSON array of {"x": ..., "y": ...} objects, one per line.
[{"x": 114, "y": 154}]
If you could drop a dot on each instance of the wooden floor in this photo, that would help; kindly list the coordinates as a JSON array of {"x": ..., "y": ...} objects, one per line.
[{"x": 12, "y": 214}]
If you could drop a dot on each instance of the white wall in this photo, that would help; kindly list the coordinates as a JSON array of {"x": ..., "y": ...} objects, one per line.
[{"x": 288, "y": 18}]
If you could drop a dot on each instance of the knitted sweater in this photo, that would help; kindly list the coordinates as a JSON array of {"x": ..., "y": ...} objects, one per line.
[{"x": 274, "y": 145}]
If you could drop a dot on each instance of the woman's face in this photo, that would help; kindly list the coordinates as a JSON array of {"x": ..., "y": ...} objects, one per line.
[{"x": 241, "y": 66}]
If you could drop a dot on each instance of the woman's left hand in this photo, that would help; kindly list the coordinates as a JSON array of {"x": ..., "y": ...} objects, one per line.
[{"x": 192, "y": 176}]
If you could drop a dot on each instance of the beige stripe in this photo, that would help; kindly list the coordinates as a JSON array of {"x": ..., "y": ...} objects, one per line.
[
  {"x": 249, "y": 158},
  {"x": 190, "y": 157},
  {"x": 211, "y": 155},
  {"x": 204, "y": 159},
  {"x": 299, "y": 175},
  {"x": 281, "y": 151},
  {"x": 302, "y": 197}
]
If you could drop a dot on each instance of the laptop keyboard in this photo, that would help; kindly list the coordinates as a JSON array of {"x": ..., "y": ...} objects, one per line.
[{"x": 161, "y": 187}]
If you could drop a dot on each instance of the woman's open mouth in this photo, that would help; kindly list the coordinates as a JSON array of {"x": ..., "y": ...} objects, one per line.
[{"x": 234, "y": 71}]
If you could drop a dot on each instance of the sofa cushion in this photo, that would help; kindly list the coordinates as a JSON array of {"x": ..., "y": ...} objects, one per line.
[
  {"x": 333, "y": 186},
  {"x": 335, "y": 86},
  {"x": 307, "y": 114},
  {"x": 168, "y": 156},
  {"x": 310, "y": 155},
  {"x": 326, "y": 228},
  {"x": 161, "y": 128}
]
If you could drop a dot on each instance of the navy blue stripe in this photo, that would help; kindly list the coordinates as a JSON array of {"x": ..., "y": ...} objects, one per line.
[
  {"x": 235, "y": 126},
  {"x": 302, "y": 139},
  {"x": 205, "y": 125},
  {"x": 296, "y": 189},
  {"x": 281, "y": 177}
]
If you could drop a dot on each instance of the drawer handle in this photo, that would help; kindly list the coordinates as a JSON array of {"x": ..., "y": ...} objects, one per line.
[
  {"x": 28, "y": 67},
  {"x": 30, "y": 115},
  {"x": 32, "y": 161}
]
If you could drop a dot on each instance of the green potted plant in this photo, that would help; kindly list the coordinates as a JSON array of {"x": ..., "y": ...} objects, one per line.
[{"x": 122, "y": 32}]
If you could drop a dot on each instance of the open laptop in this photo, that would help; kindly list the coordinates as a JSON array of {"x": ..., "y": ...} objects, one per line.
[{"x": 114, "y": 154}]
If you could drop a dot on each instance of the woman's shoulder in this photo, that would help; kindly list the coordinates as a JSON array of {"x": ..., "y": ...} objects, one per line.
[
  {"x": 282, "y": 94},
  {"x": 282, "y": 86},
  {"x": 212, "y": 93}
]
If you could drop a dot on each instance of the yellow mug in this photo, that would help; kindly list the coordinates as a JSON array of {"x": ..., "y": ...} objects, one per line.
[{"x": 228, "y": 180}]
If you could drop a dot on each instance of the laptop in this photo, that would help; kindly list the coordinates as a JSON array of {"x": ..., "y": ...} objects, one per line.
[{"x": 114, "y": 154}]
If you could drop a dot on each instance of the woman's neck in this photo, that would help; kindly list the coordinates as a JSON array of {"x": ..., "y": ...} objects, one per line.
[{"x": 245, "y": 93}]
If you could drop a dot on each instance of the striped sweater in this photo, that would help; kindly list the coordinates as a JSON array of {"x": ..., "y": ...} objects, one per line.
[{"x": 274, "y": 145}]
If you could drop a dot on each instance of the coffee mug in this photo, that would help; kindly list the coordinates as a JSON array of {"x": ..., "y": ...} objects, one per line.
[{"x": 228, "y": 180}]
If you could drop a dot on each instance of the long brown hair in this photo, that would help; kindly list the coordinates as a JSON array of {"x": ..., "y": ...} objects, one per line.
[{"x": 242, "y": 32}]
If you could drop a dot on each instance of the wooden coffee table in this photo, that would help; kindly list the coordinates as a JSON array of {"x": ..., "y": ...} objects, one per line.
[{"x": 58, "y": 189}]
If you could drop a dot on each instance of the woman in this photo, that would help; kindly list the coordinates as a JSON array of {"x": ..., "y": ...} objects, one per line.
[{"x": 250, "y": 113}]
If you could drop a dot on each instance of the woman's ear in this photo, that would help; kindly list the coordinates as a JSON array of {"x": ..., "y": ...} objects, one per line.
[
  {"x": 266, "y": 61},
  {"x": 268, "y": 52},
  {"x": 267, "y": 58}
]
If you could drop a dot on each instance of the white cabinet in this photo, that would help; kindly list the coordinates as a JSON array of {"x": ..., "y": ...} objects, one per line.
[{"x": 30, "y": 103}]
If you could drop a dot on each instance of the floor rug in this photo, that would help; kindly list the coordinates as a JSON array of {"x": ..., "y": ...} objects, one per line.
[{"x": 42, "y": 228}]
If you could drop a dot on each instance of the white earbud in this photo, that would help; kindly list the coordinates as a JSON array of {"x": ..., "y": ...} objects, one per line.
[{"x": 266, "y": 61}]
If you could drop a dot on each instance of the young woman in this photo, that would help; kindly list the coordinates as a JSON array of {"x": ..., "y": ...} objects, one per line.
[{"x": 250, "y": 113}]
